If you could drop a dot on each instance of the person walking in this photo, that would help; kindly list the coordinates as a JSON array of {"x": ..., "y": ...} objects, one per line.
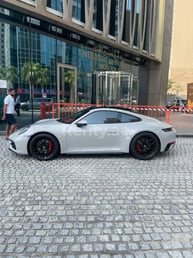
[
  {"x": 8, "y": 113},
  {"x": 17, "y": 105}
]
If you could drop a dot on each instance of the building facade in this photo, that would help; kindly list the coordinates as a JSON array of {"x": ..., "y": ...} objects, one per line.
[
  {"x": 87, "y": 51},
  {"x": 181, "y": 65}
]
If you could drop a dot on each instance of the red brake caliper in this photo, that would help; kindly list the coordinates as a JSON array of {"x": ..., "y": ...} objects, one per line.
[
  {"x": 49, "y": 146},
  {"x": 138, "y": 147}
]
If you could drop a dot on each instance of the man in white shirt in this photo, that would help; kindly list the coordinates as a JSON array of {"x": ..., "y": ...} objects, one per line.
[{"x": 8, "y": 113}]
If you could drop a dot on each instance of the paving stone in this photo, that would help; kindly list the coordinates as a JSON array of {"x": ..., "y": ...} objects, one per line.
[
  {"x": 187, "y": 254},
  {"x": 97, "y": 206},
  {"x": 163, "y": 255},
  {"x": 110, "y": 247},
  {"x": 175, "y": 254},
  {"x": 53, "y": 249},
  {"x": 87, "y": 247}
]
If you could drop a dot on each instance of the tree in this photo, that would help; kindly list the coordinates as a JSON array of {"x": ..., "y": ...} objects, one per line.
[
  {"x": 170, "y": 84},
  {"x": 11, "y": 74},
  {"x": 43, "y": 79},
  {"x": 174, "y": 88},
  {"x": 34, "y": 73},
  {"x": 178, "y": 88},
  {"x": 8, "y": 74},
  {"x": 2, "y": 73},
  {"x": 69, "y": 80}
]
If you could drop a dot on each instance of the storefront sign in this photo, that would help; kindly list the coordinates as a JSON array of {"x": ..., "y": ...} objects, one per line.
[{"x": 100, "y": 60}]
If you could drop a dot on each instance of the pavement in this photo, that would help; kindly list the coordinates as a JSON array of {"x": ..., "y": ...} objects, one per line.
[
  {"x": 24, "y": 119},
  {"x": 97, "y": 206}
]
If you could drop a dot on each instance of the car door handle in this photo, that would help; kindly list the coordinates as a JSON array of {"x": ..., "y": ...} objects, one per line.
[{"x": 112, "y": 131}]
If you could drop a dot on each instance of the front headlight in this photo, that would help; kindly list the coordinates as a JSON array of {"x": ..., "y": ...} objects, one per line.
[{"x": 23, "y": 130}]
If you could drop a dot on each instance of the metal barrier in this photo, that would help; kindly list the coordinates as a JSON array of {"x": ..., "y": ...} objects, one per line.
[
  {"x": 180, "y": 116},
  {"x": 176, "y": 116},
  {"x": 158, "y": 112},
  {"x": 45, "y": 109},
  {"x": 63, "y": 110}
]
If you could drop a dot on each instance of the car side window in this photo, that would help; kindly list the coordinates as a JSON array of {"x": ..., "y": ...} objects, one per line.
[
  {"x": 100, "y": 117},
  {"x": 109, "y": 117},
  {"x": 126, "y": 118}
]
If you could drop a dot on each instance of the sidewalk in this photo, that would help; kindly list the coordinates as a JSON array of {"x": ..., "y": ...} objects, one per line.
[
  {"x": 184, "y": 132},
  {"x": 97, "y": 206},
  {"x": 22, "y": 120}
]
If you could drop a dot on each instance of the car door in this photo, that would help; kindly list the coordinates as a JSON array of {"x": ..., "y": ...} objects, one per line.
[{"x": 100, "y": 131}]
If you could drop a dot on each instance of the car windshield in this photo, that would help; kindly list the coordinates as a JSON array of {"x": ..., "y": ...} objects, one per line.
[{"x": 73, "y": 117}]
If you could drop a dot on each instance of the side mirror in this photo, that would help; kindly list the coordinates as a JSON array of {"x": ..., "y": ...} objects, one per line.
[{"x": 82, "y": 123}]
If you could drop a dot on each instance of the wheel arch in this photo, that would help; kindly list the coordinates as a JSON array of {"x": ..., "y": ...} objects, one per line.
[
  {"x": 141, "y": 133},
  {"x": 48, "y": 133}
]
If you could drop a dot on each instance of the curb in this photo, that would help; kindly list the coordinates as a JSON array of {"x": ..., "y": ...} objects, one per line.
[{"x": 184, "y": 135}]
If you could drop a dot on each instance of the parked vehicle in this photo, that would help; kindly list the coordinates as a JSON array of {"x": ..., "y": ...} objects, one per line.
[
  {"x": 25, "y": 106},
  {"x": 95, "y": 130},
  {"x": 176, "y": 103}
]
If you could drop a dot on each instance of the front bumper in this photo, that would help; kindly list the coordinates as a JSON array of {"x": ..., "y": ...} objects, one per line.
[{"x": 18, "y": 144}]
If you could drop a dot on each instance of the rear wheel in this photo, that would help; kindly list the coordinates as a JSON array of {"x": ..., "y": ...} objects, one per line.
[
  {"x": 44, "y": 147},
  {"x": 145, "y": 146}
]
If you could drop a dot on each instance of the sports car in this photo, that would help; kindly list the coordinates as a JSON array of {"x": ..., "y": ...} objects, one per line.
[{"x": 94, "y": 131}]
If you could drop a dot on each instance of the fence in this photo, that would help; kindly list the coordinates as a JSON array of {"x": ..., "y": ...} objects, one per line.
[
  {"x": 45, "y": 109},
  {"x": 180, "y": 116},
  {"x": 176, "y": 116}
]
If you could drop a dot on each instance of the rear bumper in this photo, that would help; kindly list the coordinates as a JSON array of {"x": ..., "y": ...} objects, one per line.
[{"x": 170, "y": 146}]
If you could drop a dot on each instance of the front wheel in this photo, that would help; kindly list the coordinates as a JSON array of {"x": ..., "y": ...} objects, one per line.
[
  {"x": 145, "y": 146},
  {"x": 43, "y": 147}
]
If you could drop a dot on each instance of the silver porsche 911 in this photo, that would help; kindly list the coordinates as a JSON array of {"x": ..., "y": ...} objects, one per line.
[{"x": 95, "y": 130}]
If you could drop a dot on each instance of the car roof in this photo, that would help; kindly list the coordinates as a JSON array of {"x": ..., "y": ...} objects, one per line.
[{"x": 111, "y": 107}]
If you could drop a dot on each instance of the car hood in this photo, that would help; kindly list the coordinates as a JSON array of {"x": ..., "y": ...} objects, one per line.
[
  {"x": 46, "y": 121},
  {"x": 45, "y": 125},
  {"x": 48, "y": 124}
]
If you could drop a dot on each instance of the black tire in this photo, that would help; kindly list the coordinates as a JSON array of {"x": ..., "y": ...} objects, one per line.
[
  {"x": 145, "y": 146},
  {"x": 44, "y": 147}
]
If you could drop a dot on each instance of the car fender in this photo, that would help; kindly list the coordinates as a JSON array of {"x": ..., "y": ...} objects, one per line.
[
  {"x": 143, "y": 131},
  {"x": 44, "y": 132}
]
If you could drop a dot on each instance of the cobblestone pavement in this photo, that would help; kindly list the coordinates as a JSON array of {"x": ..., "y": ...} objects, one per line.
[{"x": 97, "y": 206}]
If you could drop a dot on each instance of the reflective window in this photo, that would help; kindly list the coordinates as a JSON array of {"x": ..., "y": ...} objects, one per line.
[
  {"x": 109, "y": 117},
  {"x": 97, "y": 15},
  {"x": 113, "y": 18},
  {"x": 27, "y": 1},
  {"x": 136, "y": 24},
  {"x": 127, "y": 22},
  {"x": 78, "y": 10},
  {"x": 55, "y": 4}
]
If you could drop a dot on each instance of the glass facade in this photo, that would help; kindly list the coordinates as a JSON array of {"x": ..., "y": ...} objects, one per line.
[
  {"x": 55, "y": 5},
  {"x": 29, "y": 49},
  {"x": 51, "y": 59}
]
